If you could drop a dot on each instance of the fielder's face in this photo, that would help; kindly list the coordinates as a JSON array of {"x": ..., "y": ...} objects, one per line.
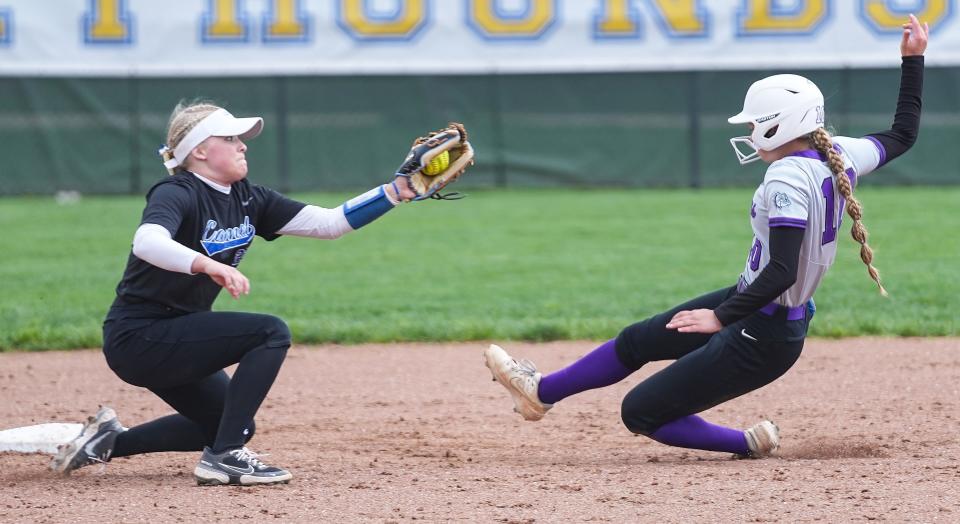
[{"x": 226, "y": 156}]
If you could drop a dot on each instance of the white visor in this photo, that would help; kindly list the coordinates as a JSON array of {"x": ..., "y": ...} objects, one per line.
[{"x": 218, "y": 123}]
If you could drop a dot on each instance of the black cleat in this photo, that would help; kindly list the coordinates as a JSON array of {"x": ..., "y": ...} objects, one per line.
[
  {"x": 237, "y": 466},
  {"x": 93, "y": 445}
]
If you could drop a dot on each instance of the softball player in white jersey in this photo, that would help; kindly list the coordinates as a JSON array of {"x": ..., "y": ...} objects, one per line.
[
  {"x": 737, "y": 339},
  {"x": 800, "y": 191}
]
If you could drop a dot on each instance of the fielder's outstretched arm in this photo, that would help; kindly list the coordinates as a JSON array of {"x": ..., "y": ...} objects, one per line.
[{"x": 329, "y": 224}]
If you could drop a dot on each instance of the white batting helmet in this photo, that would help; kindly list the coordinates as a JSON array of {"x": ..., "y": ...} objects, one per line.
[{"x": 781, "y": 108}]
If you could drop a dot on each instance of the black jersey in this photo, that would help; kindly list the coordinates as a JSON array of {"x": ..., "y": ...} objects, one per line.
[{"x": 219, "y": 225}]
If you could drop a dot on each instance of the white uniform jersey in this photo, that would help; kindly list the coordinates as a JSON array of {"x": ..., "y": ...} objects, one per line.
[{"x": 799, "y": 191}]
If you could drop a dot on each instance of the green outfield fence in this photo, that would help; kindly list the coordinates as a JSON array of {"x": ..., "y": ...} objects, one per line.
[{"x": 344, "y": 133}]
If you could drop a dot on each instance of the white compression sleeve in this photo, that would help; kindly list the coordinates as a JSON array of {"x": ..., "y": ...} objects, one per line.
[
  {"x": 152, "y": 243},
  {"x": 318, "y": 222}
]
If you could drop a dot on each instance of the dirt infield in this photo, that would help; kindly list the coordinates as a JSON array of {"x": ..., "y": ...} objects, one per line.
[{"x": 419, "y": 432}]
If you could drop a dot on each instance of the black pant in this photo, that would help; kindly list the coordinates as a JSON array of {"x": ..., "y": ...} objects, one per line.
[
  {"x": 709, "y": 369},
  {"x": 181, "y": 360}
]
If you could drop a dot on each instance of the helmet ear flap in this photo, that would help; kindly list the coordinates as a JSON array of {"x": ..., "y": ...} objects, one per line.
[{"x": 765, "y": 133}]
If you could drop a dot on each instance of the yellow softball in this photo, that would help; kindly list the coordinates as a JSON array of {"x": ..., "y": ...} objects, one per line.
[{"x": 438, "y": 164}]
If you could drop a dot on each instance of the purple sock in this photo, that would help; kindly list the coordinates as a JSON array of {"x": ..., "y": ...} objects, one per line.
[
  {"x": 694, "y": 432},
  {"x": 601, "y": 367}
]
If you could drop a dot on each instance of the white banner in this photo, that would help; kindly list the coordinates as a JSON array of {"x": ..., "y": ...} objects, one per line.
[{"x": 308, "y": 37}]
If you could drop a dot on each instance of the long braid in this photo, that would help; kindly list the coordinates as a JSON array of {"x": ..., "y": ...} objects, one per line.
[{"x": 824, "y": 144}]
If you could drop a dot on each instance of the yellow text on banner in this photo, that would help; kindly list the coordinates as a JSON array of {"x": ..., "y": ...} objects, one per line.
[
  {"x": 617, "y": 18},
  {"x": 764, "y": 17},
  {"x": 682, "y": 17},
  {"x": 885, "y": 18},
  {"x": 406, "y": 20},
  {"x": 108, "y": 22},
  {"x": 287, "y": 22},
  {"x": 487, "y": 17},
  {"x": 223, "y": 21},
  {"x": 679, "y": 18}
]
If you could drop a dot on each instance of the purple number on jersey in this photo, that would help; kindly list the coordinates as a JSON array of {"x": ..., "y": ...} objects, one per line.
[
  {"x": 754, "y": 256},
  {"x": 832, "y": 214},
  {"x": 829, "y": 230}
]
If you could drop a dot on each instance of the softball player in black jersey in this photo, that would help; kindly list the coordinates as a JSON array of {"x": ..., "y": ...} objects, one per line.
[
  {"x": 735, "y": 340},
  {"x": 160, "y": 333}
]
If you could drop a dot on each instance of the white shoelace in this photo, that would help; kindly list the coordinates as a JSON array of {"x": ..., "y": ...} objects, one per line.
[{"x": 250, "y": 457}]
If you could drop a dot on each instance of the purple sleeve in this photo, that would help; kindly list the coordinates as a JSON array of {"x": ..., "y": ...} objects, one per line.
[
  {"x": 880, "y": 148},
  {"x": 798, "y": 223}
]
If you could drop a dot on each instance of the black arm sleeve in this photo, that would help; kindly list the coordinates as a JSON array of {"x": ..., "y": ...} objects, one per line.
[
  {"x": 906, "y": 123},
  {"x": 775, "y": 278}
]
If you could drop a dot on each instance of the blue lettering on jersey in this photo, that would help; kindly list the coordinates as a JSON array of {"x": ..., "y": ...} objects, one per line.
[{"x": 216, "y": 240}]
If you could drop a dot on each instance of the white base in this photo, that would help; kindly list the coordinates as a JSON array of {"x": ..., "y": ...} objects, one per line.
[{"x": 41, "y": 438}]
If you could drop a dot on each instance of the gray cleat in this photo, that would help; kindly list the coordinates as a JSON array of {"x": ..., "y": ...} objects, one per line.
[
  {"x": 237, "y": 466},
  {"x": 93, "y": 445}
]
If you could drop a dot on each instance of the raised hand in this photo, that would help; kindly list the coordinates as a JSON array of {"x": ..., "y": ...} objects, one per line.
[{"x": 914, "y": 41}]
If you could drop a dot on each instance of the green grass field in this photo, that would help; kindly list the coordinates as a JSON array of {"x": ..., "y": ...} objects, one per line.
[{"x": 534, "y": 265}]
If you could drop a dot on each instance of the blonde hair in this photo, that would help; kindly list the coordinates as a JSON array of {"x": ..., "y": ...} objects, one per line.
[
  {"x": 184, "y": 118},
  {"x": 821, "y": 141}
]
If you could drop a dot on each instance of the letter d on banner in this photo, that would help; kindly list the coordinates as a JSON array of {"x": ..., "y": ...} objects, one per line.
[
  {"x": 766, "y": 17},
  {"x": 491, "y": 21},
  {"x": 361, "y": 22}
]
